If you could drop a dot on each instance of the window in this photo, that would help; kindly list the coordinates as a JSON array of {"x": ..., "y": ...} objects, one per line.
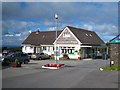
[
  {"x": 38, "y": 50},
  {"x": 68, "y": 50},
  {"x": 86, "y": 34},
  {"x": 25, "y": 47},
  {"x": 91, "y": 35},
  {"x": 44, "y": 48},
  {"x": 48, "y": 49},
  {"x": 56, "y": 48}
]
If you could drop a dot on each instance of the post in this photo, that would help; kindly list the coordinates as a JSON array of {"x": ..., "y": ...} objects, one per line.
[{"x": 56, "y": 17}]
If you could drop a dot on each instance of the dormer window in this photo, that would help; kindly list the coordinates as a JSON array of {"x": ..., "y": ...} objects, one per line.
[
  {"x": 86, "y": 34},
  {"x": 91, "y": 35}
]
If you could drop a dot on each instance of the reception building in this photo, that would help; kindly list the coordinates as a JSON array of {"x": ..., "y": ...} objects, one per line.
[{"x": 75, "y": 42}]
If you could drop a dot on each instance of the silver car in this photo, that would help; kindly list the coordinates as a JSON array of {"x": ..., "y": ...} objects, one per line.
[{"x": 40, "y": 56}]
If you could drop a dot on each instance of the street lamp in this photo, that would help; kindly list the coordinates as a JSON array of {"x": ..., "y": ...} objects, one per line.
[{"x": 56, "y": 17}]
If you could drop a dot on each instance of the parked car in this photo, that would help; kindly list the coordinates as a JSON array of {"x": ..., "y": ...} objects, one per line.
[
  {"x": 29, "y": 54},
  {"x": 6, "y": 52},
  {"x": 23, "y": 58},
  {"x": 40, "y": 56}
]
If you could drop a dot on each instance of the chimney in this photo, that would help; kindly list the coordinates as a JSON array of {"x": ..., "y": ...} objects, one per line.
[{"x": 37, "y": 31}]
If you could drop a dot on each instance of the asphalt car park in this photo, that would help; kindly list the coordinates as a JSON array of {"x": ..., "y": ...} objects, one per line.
[{"x": 75, "y": 74}]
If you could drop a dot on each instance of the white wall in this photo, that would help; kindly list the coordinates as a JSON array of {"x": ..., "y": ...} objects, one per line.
[
  {"x": 49, "y": 50},
  {"x": 27, "y": 49}
]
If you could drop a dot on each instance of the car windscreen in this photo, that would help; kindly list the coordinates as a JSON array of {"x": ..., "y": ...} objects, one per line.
[
  {"x": 36, "y": 54},
  {"x": 41, "y": 53},
  {"x": 29, "y": 53},
  {"x": 23, "y": 54}
]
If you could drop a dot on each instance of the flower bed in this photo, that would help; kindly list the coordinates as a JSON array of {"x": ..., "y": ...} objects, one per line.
[
  {"x": 16, "y": 65},
  {"x": 53, "y": 66}
]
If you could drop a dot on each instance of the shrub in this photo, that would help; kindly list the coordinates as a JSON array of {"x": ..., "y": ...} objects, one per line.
[
  {"x": 17, "y": 61},
  {"x": 65, "y": 56}
]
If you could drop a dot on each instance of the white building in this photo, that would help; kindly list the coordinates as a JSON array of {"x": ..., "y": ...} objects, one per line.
[{"x": 76, "y": 43}]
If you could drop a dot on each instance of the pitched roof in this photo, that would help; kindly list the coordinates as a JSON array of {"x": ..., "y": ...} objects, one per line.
[
  {"x": 42, "y": 37},
  {"x": 86, "y": 37},
  {"x": 115, "y": 39},
  {"x": 48, "y": 37}
]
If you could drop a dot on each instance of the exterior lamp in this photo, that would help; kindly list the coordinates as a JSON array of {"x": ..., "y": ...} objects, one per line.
[{"x": 56, "y": 16}]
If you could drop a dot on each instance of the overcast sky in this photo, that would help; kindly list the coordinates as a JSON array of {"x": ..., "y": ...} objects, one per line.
[{"x": 21, "y": 17}]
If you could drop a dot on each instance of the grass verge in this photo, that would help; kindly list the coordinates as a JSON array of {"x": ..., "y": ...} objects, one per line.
[{"x": 116, "y": 68}]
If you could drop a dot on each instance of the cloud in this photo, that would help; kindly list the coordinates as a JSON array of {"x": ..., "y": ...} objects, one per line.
[
  {"x": 18, "y": 34},
  {"x": 14, "y": 26},
  {"x": 19, "y": 18},
  {"x": 9, "y": 35},
  {"x": 105, "y": 31},
  {"x": 51, "y": 28},
  {"x": 66, "y": 11},
  {"x": 88, "y": 27}
]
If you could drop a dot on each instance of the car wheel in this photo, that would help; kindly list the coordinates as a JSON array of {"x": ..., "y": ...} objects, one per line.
[
  {"x": 26, "y": 62},
  {"x": 6, "y": 62},
  {"x": 49, "y": 57},
  {"x": 40, "y": 58}
]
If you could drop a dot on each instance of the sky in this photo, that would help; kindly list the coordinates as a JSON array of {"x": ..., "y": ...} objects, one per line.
[{"x": 19, "y": 18}]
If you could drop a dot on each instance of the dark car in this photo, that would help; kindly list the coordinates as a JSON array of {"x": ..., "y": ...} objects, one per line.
[
  {"x": 23, "y": 58},
  {"x": 40, "y": 56}
]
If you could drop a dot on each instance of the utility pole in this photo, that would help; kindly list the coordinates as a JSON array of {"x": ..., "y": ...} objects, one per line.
[{"x": 56, "y": 17}]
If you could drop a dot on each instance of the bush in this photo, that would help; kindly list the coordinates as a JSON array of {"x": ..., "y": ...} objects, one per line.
[
  {"x": 65, "y": 56},
  {"x": 17, "y": 61}
]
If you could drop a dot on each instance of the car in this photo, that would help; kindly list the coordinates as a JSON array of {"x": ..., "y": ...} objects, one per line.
[
  {"x": 0, "y": 54},
  {"x": 40, "y": 56},
  {"x": 22, "y": 57},
  {"x": 29, "y": 54},
  {"x": 6, "y": 52}
]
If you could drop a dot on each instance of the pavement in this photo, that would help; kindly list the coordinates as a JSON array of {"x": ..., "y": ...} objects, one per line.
[{"x": 75, "y": 74}]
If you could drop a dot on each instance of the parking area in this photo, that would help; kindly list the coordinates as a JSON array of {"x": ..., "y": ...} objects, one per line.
[
  {"x": 97, "y": 63},
  {"x": 75, "y": 74}
]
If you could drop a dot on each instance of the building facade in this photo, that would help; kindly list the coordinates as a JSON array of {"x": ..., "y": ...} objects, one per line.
[
  {"x": 75, "y": 42},
  {"x": 115, "y": 50}
]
